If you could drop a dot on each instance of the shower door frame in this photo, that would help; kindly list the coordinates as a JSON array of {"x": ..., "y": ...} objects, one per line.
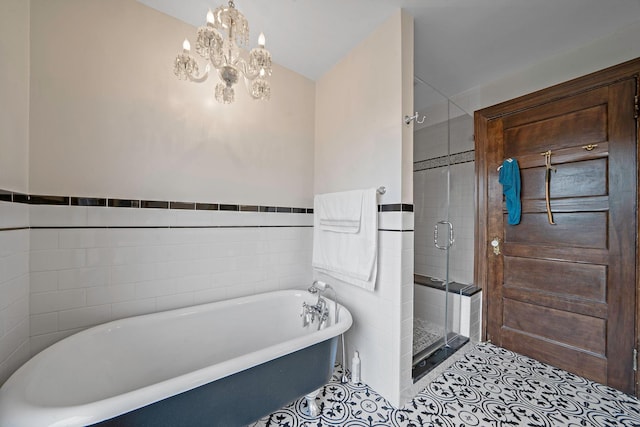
[{"x": 445, "y": 241}]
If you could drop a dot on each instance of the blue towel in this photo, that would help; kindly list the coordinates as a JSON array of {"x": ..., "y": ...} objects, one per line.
[{"x": 510, "y": 180}]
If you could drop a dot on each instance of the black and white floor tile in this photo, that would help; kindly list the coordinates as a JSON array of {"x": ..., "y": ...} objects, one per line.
[{"x": 489, "y": 386}]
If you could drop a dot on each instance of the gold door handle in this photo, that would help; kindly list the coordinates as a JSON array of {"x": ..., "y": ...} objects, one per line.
[
  {"x": 495, "y": 244},
  {"x": 547, "y": 185}
]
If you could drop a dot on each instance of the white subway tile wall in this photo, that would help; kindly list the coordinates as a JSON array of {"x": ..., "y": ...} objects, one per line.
[
  {"x": 80, "y": 266},
  {"x": 406, "y": 331},
  {"x": 85, "y": 276},
  {"x": 382, "y": 330},
  {"x": 430, "y": 194},
  {"x": 14, "y": 287},
  {"x": 430, "y": 207},
  {"x": 475, "y": 327},
  {"x": 465, "y": 312}
]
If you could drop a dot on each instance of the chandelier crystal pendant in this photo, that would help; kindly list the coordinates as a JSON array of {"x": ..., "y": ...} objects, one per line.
[{"x": 222, "y": 42}]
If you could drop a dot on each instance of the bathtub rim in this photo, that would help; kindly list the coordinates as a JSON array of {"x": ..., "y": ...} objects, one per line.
[{"x": 13, "y": 393}]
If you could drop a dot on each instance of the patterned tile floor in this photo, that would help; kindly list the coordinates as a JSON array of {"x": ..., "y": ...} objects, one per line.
[{"x": 489, "y": 386}]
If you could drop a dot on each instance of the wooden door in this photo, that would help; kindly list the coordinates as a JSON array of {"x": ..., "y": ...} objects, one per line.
[{"x": 564, "y": 293}]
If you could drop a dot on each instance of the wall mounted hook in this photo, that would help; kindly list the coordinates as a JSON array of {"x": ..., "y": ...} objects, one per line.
[{"x": 409, "y": 119}]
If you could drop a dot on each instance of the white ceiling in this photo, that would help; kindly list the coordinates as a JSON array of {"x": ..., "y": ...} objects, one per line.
[{"x": 459, "y": 44}]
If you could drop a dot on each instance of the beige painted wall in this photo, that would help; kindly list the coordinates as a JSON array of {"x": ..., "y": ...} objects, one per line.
[
  {"x": 14, "y": 95},
  {"x": 14, "y": 169},
  {"x": 109, "y": 118},
  {"x": 358, "y": 118},
  {"x": 407, "y": 107}
]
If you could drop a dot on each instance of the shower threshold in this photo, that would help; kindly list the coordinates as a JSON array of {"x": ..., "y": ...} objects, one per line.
[{"x": 428, "y": 359}]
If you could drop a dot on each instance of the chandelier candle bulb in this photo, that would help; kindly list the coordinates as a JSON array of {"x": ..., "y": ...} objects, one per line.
[
  {"x": 186, "y": 46},
  {"x": 210, "y": 20},
  {"x": 261, "y": 40}
]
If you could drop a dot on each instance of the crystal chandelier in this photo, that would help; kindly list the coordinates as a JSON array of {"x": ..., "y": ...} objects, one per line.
[{"x": 220, "y": 41}]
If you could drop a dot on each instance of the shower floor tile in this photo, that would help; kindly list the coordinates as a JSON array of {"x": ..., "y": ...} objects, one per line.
[
  {"x": 422, "y": 367},
  {"x": 425, "y": 334},
  {"x": 489, "y": 386}
]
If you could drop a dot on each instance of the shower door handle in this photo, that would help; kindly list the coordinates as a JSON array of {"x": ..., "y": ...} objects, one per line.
[{"x": 435, "y": 235}]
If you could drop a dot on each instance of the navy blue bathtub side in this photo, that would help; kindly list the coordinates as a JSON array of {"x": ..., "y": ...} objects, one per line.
[{"x": 241, "y": 398}]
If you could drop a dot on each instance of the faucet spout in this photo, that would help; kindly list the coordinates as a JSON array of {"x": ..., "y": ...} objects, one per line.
[
  {"x": 319, "y": 287},
  {"x": 320, "y": 311}
]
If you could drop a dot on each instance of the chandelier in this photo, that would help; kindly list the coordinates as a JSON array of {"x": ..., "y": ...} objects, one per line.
[{"x": 222, "y": 41}]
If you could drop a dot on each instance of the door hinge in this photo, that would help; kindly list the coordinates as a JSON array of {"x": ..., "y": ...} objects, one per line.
[
  {"x": 635, "y": 115},
  {"x": 635, "y": 360}
]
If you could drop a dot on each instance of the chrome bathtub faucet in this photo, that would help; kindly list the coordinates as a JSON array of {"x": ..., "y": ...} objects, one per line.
[
  {"x": 317, "y": 287},
  {"x": 311, "y": 312}
]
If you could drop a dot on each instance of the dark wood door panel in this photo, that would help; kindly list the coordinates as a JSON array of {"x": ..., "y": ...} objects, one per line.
[
  {"x": 556, "y": 301},
  {"x": 583, "y": 230},
  {"x": 556, "y": 253},
  {"x": 566, "y": 279},
  {"x": 564, "y": 293},
  {"x": 584, "y": 179},
  {"x": 570, "y": 204},
  {"x": 573, "y": 360},
  {"x": 583, "y": 127},
  {"x": 623, "y": 233},
  {"x": 579, "y": 331},
  {"x": 549, "y": 107},
  {"x": 574, "y": 153}
]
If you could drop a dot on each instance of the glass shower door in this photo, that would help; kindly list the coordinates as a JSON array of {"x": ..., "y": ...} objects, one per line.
[{"x": 438, "y": 143}]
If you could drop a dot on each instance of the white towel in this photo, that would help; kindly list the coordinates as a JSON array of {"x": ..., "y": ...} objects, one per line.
[
  {"x": 340, "y": 212},
  {"x": 338, "y": 250}
]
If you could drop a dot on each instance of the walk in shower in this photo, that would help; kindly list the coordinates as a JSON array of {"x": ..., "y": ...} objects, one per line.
[{"x": 446, "y": 304}]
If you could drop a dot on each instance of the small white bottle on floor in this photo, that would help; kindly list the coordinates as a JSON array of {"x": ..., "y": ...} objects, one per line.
[{"x": 355, "y": 368}]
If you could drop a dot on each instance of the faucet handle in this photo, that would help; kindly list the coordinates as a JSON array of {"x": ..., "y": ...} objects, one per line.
[
  {"x": 306, "y": 320},
  {"x": 323, "y": 318},
  {"x": 305, "y": 314}
]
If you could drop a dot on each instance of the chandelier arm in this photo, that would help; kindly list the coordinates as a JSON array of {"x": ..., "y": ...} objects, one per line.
[
  {"x": 243, "y": 66},
  {"x": 201, "y": 78}
]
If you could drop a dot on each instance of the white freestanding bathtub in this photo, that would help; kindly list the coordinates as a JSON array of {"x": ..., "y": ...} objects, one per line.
[{"x": 225, "y": 363}]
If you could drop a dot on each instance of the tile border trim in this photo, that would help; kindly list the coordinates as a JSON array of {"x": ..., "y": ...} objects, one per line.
[
  {"x": 396, "y": 207},
  {"x": 438, "y": 162},
  {"x": 34, "y": 199},
  {"x": 121, "y": 227},
  {"x": 15, "y": 228}
]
